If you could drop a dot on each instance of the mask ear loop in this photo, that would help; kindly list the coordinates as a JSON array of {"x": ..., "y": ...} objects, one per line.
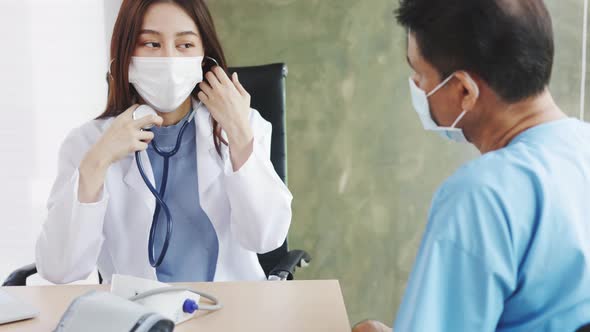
[
  {"x": 440, "y": 85},
  {"x": 110, "y": 77},
  {"x": 134, "y": 98},
  {"x": 110, "y": 65},
  {"x": 459, "y": 119}
]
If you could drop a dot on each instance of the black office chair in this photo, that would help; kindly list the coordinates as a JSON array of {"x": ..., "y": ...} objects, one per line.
[{"x": 266, "y": 85}]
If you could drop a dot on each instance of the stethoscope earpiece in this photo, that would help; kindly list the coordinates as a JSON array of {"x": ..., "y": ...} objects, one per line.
[{"x": 212, "y": 59}]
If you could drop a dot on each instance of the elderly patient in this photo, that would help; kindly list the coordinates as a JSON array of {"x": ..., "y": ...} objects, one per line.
[{"x": 507, "y": 244}]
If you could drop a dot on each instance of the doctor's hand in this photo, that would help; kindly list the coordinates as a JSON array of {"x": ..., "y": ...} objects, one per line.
[
  {"x": 123, "y": 137},
  {"x": 229, "y": 104}
]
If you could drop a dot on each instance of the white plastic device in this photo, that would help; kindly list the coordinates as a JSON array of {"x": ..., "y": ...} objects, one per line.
[
  {"x": 142, "y": 111},
  {"x": 169, "y": 305}
]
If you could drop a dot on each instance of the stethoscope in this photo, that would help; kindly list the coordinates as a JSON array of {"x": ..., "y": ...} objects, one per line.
[
  {"x": 140, "y": 112},
  {"x": 159, "y": 196}
]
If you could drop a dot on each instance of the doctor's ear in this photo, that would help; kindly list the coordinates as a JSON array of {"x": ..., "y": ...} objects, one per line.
[{"x": 470, "y": 90}]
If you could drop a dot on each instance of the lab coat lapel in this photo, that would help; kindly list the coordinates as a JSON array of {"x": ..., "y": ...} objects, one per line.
[
  {"x": 134, "y": 180},
  {"x": 209, "y": 163},
  {"x": 143, "y": 206}
]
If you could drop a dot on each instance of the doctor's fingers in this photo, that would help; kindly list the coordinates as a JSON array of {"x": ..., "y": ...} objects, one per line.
[
  {"x": 145, "y": 136},
  {"x": 139, "y": 146},
  {"x": 239, "y": 86},
  {"x": 213, "y": 81},
  {"x": 221, "y": 75},
  {"x": 147, "y": 121},
  {"x": 206, "y": 88}
]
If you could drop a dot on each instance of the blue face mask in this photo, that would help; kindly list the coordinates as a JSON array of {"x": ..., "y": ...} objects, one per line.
[{"x": 422, "y": 108}]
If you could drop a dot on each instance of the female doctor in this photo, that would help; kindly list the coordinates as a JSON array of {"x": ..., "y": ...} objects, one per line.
[{"x": 226, "y": 201}]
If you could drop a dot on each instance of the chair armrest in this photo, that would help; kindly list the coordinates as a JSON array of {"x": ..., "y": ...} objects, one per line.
[
  {"x": 19, "y": 277},
  {"x": 288, "y": 264}
]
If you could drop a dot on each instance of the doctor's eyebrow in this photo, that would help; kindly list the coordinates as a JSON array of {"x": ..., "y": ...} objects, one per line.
[{"x": 178, "y": 34}]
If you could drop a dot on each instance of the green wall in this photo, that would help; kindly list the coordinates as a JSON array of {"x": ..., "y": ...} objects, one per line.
[{"x": 361, "y": 168}]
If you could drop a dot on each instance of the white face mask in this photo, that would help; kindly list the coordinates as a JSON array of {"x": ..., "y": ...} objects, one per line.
[
  {"x": 165, "y": 83},
  {"x": 421, "y": 106}
]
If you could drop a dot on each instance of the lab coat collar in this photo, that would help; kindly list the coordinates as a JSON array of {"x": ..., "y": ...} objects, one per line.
[
  {"x": 209, "y": 163},
  {"x": 134, "y": 180}
]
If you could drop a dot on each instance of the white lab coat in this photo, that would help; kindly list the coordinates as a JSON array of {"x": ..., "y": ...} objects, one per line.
[{"x": 250, "y": 210}]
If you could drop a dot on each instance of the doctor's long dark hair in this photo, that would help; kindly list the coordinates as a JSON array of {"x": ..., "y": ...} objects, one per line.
[{"x": 121, "y": 94}]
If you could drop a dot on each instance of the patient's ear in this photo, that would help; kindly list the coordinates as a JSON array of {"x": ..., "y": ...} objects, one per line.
[{"x": 471, "y": 90}]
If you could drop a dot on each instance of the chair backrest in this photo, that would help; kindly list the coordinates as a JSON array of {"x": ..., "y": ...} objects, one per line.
[
  {"x": 585, "y": 328},
  {"x": 266, "y": 86}
]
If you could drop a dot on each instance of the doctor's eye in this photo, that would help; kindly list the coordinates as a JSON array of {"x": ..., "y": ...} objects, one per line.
[
  {"x": 186, "y": 45},
  {"x": 152, "y": 44}
]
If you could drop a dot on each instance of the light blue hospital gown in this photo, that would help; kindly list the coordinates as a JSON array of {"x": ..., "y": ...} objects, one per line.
[{"x": 507, "y": 246}]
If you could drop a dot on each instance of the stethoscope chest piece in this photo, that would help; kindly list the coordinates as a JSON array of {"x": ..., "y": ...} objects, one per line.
[{"x": 143, "y": 111}]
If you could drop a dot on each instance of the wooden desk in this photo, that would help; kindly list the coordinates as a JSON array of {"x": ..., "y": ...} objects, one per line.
[{"x": 248, "y": 306}]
